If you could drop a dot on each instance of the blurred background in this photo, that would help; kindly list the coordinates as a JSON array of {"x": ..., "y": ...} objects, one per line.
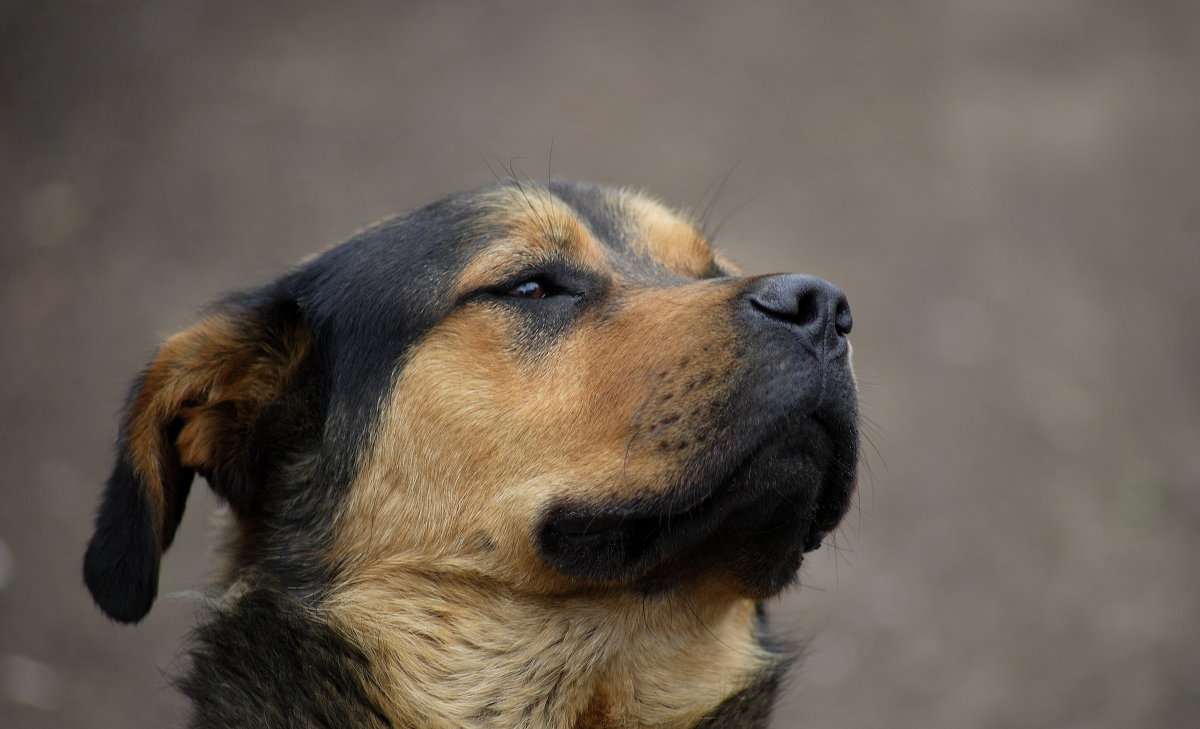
[{"x": 1008, "y": 190}]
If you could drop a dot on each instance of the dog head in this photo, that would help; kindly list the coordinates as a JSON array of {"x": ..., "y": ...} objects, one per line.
[{"x": 557, "y": 388}]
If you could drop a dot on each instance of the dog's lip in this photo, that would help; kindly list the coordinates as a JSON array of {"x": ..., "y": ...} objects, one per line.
[
  {"x": 587, "y": 526},
  {"x": 814, "y": 540},
  {"x": 715, "y": 497},
  {"x": 577, "y": 524},
  {"x": 591, "y": 523},
  {"x": 655, "y": 539},
  {"x": 713, "y": 505}
]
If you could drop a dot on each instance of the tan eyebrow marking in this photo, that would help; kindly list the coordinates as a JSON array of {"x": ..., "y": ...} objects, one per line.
[
  {"x": 535, "y": 228},
  {"x": 666, "y": 237},
  {"x": 727, "y": 265}
]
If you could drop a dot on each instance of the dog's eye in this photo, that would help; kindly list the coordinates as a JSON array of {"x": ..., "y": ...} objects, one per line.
[{"x": 532, "y": 289}]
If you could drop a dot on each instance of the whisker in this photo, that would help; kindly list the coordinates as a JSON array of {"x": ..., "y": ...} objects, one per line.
[
  {"x": 702, "y": 224},
  {"x": 729, "y": 216}
]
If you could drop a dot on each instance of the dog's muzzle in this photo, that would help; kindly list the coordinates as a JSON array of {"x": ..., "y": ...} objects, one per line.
[{"x": 778, "y": 478}]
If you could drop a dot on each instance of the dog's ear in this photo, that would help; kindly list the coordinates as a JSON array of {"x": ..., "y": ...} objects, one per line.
[{"x": 193, "y": 410}]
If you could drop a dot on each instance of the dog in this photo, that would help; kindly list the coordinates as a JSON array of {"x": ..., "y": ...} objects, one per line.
[{"x": 530, "y": 456}]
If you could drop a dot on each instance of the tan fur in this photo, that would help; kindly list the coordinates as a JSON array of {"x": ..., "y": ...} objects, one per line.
[
  {"x": 666, "y": 238},
  {"x": 457, "y": 651},
  {"x": 477, "y": 445},
  {"x": 437, "y": 578},
  {"x": 538, "y": 227},
  {"x": 209, "y": 376},
  {"x": 408, "y": 542},
  {"x": 727, "y": 264}
]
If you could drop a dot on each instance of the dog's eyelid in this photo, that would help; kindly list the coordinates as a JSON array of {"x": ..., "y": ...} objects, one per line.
[
  {"x": 533, "y": 288},
  {"x": 553, "y": 279},
  {"x": 540, "y": 287},
  {"x": 526, "y": 286}
]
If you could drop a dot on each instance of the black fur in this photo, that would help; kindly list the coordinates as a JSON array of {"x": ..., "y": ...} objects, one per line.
[
  {"x": 749, "y": 708},
  {"x": 363, "y": 303},
  {"x": 121, "y": 564},
  {"x": 269, "y": 662},
  {"x": 775, "y": 476},
  {"x": 267, "y": 659}
]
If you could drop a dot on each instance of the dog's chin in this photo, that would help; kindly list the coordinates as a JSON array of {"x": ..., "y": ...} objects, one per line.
[{"x": 753, "y": 523}]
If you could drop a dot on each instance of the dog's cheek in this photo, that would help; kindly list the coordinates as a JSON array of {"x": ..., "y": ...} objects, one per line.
[
  {"x": 671, "y": 359},
  {"x": 426, "y": 483}
]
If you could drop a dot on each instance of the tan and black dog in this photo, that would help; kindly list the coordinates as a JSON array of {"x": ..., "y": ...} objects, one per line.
[{"x": 531, "y": 456}]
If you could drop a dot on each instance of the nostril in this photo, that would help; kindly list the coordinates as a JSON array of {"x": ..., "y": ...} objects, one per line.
[
  {"x": 809, "y": 306},
  {"x": 807, "y": 309},
  {"x": 842, "y": 319}
]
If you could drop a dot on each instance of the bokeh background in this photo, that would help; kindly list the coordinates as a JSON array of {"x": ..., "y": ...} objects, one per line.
[{"x": 1008, "y": 190}]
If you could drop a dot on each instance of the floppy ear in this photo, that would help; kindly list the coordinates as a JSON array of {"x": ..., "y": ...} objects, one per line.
[{"x": 194, "y": 409}]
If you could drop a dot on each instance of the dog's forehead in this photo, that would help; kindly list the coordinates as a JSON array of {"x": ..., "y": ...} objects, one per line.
[
  {"x": 639, "y": 229},
  {"x": 604, "y": 230},
  {"x": 394, "y": 280},
  {"x": 373, "y": 297}
]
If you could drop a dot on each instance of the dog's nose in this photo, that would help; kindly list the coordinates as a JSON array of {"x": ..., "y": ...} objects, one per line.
[{"x": 814, "y": 308}]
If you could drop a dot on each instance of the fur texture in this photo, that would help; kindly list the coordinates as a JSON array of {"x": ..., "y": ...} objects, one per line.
[{"x": 527, "y": 457}]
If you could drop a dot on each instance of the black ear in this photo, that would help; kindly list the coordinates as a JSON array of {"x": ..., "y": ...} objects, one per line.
[
  {"x": 121, "y": 564},
  {"x": 192, "y": 410}
]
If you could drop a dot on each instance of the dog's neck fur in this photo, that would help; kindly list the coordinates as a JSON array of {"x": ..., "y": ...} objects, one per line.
[{"x": 449, "y": 653}]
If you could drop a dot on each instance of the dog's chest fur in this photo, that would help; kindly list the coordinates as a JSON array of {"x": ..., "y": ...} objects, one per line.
[
  {"x": 458, "y": 656},
  {"x": 626, "y": 675},
  {"x": 527, "y": 457}
]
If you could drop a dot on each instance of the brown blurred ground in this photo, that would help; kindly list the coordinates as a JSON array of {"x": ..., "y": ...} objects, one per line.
[{"x": 1009, "y": 191}]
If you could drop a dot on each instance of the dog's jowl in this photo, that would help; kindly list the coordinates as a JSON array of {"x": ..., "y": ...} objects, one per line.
[{"x": 527, "y": 457}]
